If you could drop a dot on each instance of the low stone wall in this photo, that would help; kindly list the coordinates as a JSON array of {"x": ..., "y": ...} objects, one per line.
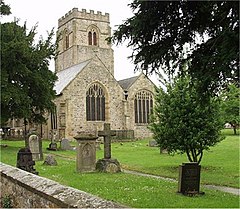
[{"x": 27, "y": 190}]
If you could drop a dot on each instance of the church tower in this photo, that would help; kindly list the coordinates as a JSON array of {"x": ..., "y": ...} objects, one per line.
[{"x": 82, "y": 36}]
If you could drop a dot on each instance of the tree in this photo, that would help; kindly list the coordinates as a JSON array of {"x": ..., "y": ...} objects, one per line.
[
  {"x": 4, "y": 9},
  {"x": 184, "y": 123},
  {"x": 26, "y": 82},
  {"x": 230, "y": 106},
  {"x": 164, "y": 34}
]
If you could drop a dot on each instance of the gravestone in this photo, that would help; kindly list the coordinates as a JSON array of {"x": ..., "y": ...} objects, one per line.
[
  {"x": 53, "y": 144},
  {"x": 86, "y": 151},
  {"x": 65, "y": 145},
  {"x": 35, "y": 146},
  {"x": 25, "y": 161},
  {"x": 152, "y": 143},
  {"x": 189, "y": 178},
  {"x": 107, "y": 164},
  {"x": 50, "y": 160}
]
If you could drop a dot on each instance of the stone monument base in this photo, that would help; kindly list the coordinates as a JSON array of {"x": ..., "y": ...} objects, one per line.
[
  {"x": 108, "y": 165},
  {"x": 52, "y": 146}
]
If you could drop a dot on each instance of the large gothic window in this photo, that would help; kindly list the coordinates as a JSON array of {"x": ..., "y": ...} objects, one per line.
[
  {"x": 95, "y": 103},
  {"x": 143, "y": 106}
]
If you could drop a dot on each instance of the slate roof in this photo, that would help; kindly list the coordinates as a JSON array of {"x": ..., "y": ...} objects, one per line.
[
  {"x": 126, "y": 83},
  {"x": 67, "y": 75}
]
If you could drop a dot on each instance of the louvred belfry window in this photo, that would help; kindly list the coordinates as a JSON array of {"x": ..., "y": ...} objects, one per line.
[
  {"x": 95, "y": 103},
  {"x": 143, "y": 106}
]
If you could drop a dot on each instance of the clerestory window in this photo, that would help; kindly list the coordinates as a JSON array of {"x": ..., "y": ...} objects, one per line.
[
  {"x": 143, "y": 106},
  {"x": 95, "y": 103}
]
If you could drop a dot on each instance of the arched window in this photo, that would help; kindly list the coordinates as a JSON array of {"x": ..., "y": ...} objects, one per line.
[
  {"x": 93, "y": 35},
  {"x": 89, "y": 38},
  {"x": 95, "y": 103},
  {"x": 67, "y": 41},
  {"x": 143, "y": 106}
]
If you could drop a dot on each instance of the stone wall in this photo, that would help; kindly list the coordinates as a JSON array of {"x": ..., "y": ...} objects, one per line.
[{"x": 27, "y": 190}]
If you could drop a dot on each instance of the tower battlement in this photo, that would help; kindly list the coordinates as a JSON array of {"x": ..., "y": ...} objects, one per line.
[{"x": 83, "y": 14}]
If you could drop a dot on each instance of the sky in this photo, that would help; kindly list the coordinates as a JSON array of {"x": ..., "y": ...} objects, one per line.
[{"x": 45, "y": 13}]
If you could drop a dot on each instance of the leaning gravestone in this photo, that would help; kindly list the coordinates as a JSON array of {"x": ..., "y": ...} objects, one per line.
[
  {"x": 86, "y": 151},
  {"x": 25, "y": 161},
  {"x": 189, "y": 179},
  {"x": 35, "y": 145},
  {"x": 107, "y": 164},
  {"x": 65, "y": 145}
]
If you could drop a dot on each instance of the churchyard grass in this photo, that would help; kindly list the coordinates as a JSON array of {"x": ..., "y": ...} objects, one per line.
[{"x": 220, "y": 166}]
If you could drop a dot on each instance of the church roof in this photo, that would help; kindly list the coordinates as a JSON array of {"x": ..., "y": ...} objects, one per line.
[
  {"x": 126, "y": 83},
  {"x": 67, "y": 75}
]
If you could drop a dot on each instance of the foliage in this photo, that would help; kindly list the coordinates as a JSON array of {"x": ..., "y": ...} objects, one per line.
[
  {"x": 183, "y": 122},
  {"x": 26, "y": 82},
  {"x": 163, "y": 34},
  {"x": 6, "y": 201},
  {"x": 230, "y": 106},
  {"x": 4, "y": 8}
]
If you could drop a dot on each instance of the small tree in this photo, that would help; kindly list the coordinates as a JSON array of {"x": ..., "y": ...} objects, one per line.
[
  {"x": 230, "y": 106},
  {"x": 183, "y": 122}
]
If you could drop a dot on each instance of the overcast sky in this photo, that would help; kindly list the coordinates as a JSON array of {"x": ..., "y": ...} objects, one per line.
[{"x": 45, "y": 13}]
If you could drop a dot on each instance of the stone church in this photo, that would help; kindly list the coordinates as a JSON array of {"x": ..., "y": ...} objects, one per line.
[{"x": 88, "y": 95}]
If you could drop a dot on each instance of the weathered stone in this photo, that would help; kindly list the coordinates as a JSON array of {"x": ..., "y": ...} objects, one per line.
[
  {"x": 50, "y": 160},
  {"x": 25, "y": 161},
  {"x": 31, "y": 191},
  {"x": 65, "y": 145},
  {"x": 86, "y": 151},
  {"x": 108, "y": 166},
  {"x": 152, "y": 143},
  {"x": 35, "y": 145}
]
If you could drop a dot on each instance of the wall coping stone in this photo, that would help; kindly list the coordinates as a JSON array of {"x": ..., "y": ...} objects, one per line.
[{"x": 63, "y": 196}]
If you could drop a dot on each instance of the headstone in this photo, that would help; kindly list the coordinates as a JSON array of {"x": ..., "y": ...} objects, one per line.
[
  {"x": 25, "y": 161},
  {"x": 107, "y": 164},
  {"x": 50, "y": 160},
  {"x": 86, "y": 151},
  {"x": 152, "y": 143},
  {"x": 189, "y": 178},
  {"x": 35, "y": 146},
  {"x": 65, "y": 144}
]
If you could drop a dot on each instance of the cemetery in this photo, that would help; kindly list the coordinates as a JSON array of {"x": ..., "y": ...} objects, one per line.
[{"x": 126, "y": 189}]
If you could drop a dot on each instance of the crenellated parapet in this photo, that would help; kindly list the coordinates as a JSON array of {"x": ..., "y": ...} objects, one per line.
[{"x": 83, "y": 14}]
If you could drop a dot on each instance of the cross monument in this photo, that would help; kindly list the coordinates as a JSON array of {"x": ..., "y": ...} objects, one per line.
[{"x": 107, "y": 134}]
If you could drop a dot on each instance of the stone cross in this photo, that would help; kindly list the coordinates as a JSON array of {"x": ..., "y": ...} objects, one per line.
[{"x": 107, "y": 134}]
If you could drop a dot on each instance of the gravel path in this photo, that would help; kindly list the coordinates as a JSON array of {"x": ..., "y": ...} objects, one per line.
[{"x": 231, "y": 190}]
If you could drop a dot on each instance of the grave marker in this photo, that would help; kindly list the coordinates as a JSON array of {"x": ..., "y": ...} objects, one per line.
[
  {"x": 35, "y": 146},
  {"x": 107, "y": 164}
]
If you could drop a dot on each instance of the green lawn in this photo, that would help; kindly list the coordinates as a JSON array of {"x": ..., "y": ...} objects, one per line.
[{"x": 220, "y": 166}]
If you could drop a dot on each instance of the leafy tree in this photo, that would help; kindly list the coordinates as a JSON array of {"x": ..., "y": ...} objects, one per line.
[
  {"x": 26, "y": 82},
  {"x": 164, "y": 34},
  {"x": 184, "y": 123},
  {"x": 230, "y": 106}
]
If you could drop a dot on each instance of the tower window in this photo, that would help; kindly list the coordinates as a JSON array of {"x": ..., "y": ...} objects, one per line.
[
  {"x": 92, "y": 38},
  {"x": 143, "y": 106},
  {"x": 95, "y": 103}
]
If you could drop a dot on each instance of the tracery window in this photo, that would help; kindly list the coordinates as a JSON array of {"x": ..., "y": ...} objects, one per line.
[
  {"x": 95, "y": 103},
  {"x": 143, "y": 106}
]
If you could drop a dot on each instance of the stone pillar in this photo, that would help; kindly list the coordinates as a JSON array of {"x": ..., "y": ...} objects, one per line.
[{"x": 86, "y": 152}]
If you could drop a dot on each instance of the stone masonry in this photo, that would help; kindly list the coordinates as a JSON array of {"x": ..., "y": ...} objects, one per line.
[{"x": 27, "y": 190}]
